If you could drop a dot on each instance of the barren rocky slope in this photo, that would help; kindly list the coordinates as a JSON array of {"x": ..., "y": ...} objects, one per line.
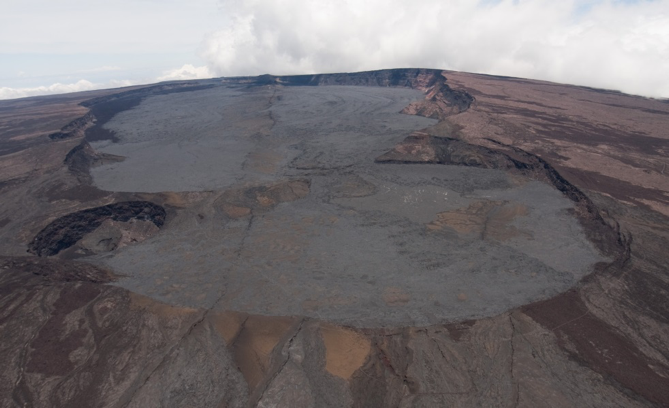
[{"x": 322, "y": 250}]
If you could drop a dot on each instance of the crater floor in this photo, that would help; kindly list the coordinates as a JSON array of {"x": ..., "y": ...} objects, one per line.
[{"x": 282, "y": 211}]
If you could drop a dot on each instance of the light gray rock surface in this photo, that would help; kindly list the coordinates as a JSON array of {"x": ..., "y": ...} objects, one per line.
[{"x": 361, "y": 248}]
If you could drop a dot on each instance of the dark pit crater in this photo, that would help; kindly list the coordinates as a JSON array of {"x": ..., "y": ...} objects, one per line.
[{"x": 99, "y": 229}]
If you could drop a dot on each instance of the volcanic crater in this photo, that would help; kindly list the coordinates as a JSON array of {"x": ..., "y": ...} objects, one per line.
[
  {"x": 390, "y": 238},
  {"x": 282, "y": 231}
]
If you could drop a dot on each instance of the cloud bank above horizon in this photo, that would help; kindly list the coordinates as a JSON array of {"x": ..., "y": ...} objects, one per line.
[
  {"x": 612, "y": 44},
  {"x": 607, "y": 44}
]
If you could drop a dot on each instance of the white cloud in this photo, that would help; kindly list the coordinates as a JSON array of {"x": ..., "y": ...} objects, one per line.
[
  {"x": 616, "y": 44},
  {"x": 57, "y": 88},
  {"x": 609, "y": 44},
  {"x": 187, "y": 71}
]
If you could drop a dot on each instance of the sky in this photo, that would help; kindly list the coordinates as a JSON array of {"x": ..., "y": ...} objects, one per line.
[{"x": 56, "y": 46}]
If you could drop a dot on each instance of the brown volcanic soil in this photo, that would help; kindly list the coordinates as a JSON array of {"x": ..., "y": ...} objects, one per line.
[
  {"x": 68, "y": 338},
  {"x": 603, "y": 141}
]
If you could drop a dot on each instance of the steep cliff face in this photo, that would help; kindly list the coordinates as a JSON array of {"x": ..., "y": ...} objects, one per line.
[
  {"x": 424, "y": 148},
  {"x": 411, "y": 78},
  {"x": 71, "y": 337},
  {"x": 440, "y": 100},
  {"x": 75, "y": 128}
]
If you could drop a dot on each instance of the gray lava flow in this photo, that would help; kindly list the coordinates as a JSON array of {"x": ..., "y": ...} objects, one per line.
[{"x": 361, "y": 243}]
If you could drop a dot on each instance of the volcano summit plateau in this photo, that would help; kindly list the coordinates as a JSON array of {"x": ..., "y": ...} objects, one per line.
[{"x": 394, "y": 238}]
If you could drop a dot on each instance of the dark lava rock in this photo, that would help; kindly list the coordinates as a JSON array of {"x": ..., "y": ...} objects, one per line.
[{"x": 65, "y": 231}]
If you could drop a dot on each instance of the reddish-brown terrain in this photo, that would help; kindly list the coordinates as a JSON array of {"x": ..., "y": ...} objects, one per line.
[{"x": 72, "y": 334}]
